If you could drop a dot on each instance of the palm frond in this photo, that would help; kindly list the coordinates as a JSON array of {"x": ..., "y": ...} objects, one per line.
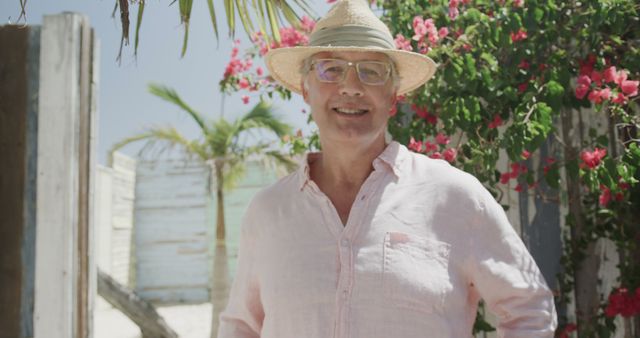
[
  {"x": 185, "y": 17},
  {"x": 212, "y": 14},
  {"x": 170, "y": 95},
  {"x": 233, "y": 174},
  {"x": 138, "y": 24},
  {"x": 171, "y": 137},
  {"x": 243, "y": 12},
  {"x": 282, "y": 160},
  {"x": 261, "y": 116}
]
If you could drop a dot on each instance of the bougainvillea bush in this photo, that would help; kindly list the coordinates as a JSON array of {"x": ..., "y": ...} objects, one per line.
[{"x": 515, "y": 76}]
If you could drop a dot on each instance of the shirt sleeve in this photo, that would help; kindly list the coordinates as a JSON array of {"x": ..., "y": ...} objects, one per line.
[
  {"x": 507, "y": 278},
  {"x": 244, "y": 313}
]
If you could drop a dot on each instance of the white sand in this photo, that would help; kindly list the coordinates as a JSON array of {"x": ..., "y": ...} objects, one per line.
[{"x": 188, "y": 321}]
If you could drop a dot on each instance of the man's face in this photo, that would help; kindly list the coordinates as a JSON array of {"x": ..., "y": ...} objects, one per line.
[{"x": 349, "y": 111}]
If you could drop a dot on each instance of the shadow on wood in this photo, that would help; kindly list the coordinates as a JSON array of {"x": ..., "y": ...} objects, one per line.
[{"x": 141, "y": 312}]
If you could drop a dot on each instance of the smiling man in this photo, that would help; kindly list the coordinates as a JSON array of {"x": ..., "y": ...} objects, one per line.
[{"x": 367, "y": 239}]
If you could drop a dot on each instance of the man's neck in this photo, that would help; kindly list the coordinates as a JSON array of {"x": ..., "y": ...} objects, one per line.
[{"x": 345, "y": 166}]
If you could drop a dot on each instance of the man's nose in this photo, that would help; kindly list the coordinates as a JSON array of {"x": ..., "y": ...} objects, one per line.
[{"x": 351, "y": 84}]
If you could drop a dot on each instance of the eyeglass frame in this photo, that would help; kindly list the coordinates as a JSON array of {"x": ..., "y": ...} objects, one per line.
[{"x": 391, "y": 72}]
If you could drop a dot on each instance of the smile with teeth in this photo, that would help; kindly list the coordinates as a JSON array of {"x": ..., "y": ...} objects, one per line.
[{"x": 350, "y": 111}]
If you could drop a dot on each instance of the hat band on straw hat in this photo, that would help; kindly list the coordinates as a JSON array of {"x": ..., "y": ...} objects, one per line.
[{"x": 352, "y": 36}]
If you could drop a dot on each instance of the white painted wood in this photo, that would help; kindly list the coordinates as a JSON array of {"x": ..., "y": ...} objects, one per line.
[
  {"x": 93, "y": 141},
  {"x": 171, "y": 239},
  {"x": 102, "y": 217},
  {"x": 122, "y": 202},
  {"x": 57, "y": 182}
]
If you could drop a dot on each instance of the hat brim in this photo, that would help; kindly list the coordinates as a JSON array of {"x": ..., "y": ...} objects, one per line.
[{"x": 284, "y": 65}]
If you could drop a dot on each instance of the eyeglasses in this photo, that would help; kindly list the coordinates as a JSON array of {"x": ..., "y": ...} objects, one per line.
[{"x": 374, "y": 73}]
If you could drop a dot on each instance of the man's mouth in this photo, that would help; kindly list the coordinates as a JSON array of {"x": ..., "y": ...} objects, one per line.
[{"x": 350, "y": 111}]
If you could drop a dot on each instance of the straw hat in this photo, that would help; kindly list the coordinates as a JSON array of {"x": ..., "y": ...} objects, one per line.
[{"x": 350, "y": 26}]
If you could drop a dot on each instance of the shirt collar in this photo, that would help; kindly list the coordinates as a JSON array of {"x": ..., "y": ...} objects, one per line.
[{"x": 393, "y": 158}]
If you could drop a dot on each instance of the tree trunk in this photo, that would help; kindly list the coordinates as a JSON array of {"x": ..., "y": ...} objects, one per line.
[
  {"x": 219, "y": 286},
  {"x": 220, "y": 279},
  {"x": 141, "y": 312},
  {"x": 586, "y": 271},
  {"x": 220, "y": 226}
]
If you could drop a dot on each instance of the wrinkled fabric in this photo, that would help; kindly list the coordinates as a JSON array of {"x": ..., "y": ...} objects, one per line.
[{"x": 423, "y": 243}]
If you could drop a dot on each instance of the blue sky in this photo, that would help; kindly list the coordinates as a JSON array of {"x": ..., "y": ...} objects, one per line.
[{"x": 124, "y": 105}]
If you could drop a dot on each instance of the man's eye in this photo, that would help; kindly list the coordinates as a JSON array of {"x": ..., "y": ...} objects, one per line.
[{"x": 334, "y": 69}]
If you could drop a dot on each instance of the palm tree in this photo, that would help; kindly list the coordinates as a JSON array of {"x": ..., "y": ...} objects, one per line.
[
  {"x": 267, "y": 12},
  {"x": 222, "y": 147}
]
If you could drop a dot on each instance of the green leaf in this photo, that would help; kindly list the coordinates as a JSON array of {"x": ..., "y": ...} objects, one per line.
[
  {"x": 138, "y": 23},
  {"x": 470, "y": 65},
  {"x": 552, "y": 177},
  {"x": 212, "y": 14}
]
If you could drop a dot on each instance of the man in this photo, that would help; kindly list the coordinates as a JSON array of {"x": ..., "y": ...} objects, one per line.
[{"x": 367, "y": 239}]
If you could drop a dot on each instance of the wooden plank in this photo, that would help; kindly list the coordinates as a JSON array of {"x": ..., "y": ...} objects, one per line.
[
  {"x": 57, "y": 187},
  {"x": 92, "y": 268},
  {"x": 13, "y": 131},
  {"x": 171, "y": 242},
  {"x": 138, "y": 310},
  {"x": 29, "y": 234},
  {"x": 81, "y": 265}
]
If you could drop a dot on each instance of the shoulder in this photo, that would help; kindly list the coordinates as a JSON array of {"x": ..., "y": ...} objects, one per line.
[
  {"x": 270, "y": 197},
  {"x": 449, "y": 182}
]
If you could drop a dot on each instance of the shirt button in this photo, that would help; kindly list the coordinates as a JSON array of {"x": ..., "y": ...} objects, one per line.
[{"x": 363, "y": 197}]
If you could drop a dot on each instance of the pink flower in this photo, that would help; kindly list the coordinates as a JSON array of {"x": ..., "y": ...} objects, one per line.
[
  {"x": 596, "y": 77},
  {"x": 442, "y": 139},
  {"x": 497, "y": 121},
  {"x": 621, "y": 77},
  {"x": 429, "y": 147},
  {"x": 394, "y": 110},
  {"x": 610, "y": 74},
  {"x": 245, "y": 99},
  {"x": 443, "y": 31},
  {"x": 567, "y": 330},
  {"x": 518, "y": 36},
  {"x": 453, "y": 13},
  {"x": 630, "y": 88},
  {"x": 415, "y": 145},
  {"x": 523, "y": 87},
  {"x": 307, "y": 24},
  {"x": 591, "y": 159},
  {"x": 423, "y": 113},
  {"x": 620, "y": 99},
  {"x": 524, "y": 64},
  {"x": 525, "y": 154},
  {"x": 581, "y": 91},
  {"x": 518, "y": 188},
  {"x": 243, "y": 83},
  {"x": 436, "y": 155},
  {"x": 402, "y": 43},
  {"x": 518, "y": 3},
  {"x": 259, "y": 71},
  {"x": 331, "y": 1},
  {"x": 605, "y": 196},
  {"x": 584, "y": 80},
  {"x": 450, "y": 155},
  {"x": 505, "y": 177}
]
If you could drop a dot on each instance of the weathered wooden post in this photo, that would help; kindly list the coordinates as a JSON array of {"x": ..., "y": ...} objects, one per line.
[{"x": 47, "y": 121}]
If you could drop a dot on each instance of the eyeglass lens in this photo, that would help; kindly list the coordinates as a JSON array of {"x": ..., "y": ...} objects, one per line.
[{"x": 369, "y": 72}]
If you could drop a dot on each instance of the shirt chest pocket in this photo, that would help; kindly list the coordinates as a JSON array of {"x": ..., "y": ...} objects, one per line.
[{"x": 415, "y": 271}]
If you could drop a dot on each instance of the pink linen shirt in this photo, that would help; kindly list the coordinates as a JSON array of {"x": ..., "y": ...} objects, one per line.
[{"x": 423, "y": 243}]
